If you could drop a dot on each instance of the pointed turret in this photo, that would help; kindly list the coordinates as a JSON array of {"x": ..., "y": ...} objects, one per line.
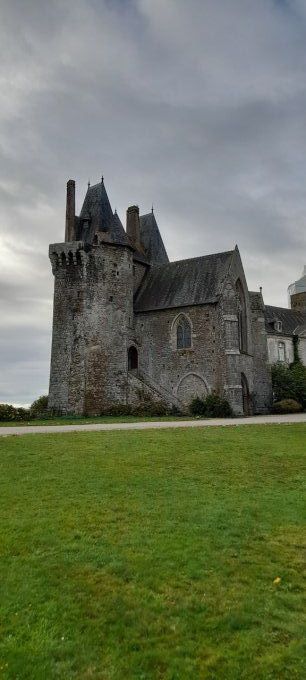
[
  {"x": 151, "y": 240},
  {"x": 97, "y": 218}
]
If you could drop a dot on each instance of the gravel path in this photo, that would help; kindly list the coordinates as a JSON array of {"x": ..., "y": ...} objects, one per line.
[{"x": 147, "y": 425}]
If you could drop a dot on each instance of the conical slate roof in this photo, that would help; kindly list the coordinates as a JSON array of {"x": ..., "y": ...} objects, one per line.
[
  {"x": 97, "y": 212},
  {"x": 118, "y": 232},
  {"x": 151, "y": 240}
]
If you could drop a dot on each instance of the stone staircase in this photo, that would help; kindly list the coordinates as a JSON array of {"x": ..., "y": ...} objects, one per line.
[{"x": 142, "y": 388}]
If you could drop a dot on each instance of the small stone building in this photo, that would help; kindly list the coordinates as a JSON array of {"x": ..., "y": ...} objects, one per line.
[{"x": 131, "y": 327}]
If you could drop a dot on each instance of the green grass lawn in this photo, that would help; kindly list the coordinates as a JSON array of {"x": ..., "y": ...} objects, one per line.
[
  {"x": 153, "y": 554},
  {"x": 80, "y": 420}
]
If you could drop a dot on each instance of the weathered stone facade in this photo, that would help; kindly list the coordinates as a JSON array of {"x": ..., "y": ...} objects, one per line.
[{"x": 129, "y": 326}]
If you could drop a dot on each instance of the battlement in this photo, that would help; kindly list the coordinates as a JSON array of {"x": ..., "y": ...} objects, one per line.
[{"x": 69, "y": 253}]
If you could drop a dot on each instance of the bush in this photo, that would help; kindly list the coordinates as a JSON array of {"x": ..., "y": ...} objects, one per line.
[
  {"x": 298, "y": 372},
  {"x": 197, "y": 407},
  {"x": 152, "y": 409},
  {"x": 289, "y": 382},
  {"x": 287, "y": 406},
  {"x": 12, "y": 413},
  {"x": 146, "y": 407},
  {"x": 217, "y": 407},
  {"x": 116, "y": 410},
  {"x": 22, "y": 413},
  {"x": 39, "y": 408},
  {"x": 213, "y": 406}
]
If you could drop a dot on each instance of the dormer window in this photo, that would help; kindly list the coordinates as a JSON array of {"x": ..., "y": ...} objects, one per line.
[{"x": 278, "y": 326}]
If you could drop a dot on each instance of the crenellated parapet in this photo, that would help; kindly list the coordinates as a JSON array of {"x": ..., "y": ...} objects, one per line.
[{"x": 66, "y": 254}]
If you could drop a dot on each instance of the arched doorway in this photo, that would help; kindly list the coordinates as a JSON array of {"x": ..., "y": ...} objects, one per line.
[
  {"x": 246, "y": 398},
  {"x": 132, "y": 358}
]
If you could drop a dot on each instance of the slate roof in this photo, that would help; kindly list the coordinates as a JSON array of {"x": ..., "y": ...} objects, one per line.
[
  {"x": 290, "y": 319},
  {"x": 186, "y": 282},
  {"x": 98, "y": 209},
  {"x": 118, "y": 232},
  {"x": 151, "y": 240}
]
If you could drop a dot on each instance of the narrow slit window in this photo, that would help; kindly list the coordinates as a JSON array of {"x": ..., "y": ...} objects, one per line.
[{"x": 132, "y": 359}]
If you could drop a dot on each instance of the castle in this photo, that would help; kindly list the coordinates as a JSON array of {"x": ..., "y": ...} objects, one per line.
[{"x": 130, "y": 327}]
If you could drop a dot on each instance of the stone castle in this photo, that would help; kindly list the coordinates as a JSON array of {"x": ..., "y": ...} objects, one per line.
[{"x": 130, "y": 327}]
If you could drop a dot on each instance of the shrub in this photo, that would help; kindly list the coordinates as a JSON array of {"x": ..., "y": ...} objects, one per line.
[
  {"x": 117, "y": 410},
  {"x": 146, "y": 407},
  {"x": 287, "y": 406},
  {"x": 217, "y": 407},
  {"x": 151, "y": 409},
  {"x": 175, "y": 411},
  {"x": 289, "y": 382},
  {"x": 298, "y": 372},
  {"x": 213, "y": 406},
  {"x": 11, "y": 413},
  {"x": 282, "y": 382},
  {"x": 39, "y": 408},
  {"x": 22, "y": 413},
  {"x": 197, "y": 407}
]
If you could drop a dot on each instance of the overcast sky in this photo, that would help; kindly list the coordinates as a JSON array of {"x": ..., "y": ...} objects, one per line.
[{"x": 198, "y": 106}]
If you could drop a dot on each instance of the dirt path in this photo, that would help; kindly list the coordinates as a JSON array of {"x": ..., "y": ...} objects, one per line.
[{"x": 147, "y": 425}]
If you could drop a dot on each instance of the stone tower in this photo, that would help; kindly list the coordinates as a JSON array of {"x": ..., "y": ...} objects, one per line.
[
  {"x": 93, "y": 307},
  {"x": 297, "y": 293}
]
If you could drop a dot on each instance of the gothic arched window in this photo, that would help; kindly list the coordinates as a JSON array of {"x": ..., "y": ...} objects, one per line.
[
  {"x": 242, "y": 318},
  {"x": 183, "y": 333}
]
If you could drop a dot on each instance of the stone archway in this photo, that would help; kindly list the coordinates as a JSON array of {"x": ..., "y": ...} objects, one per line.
[{"x": 190, "y": 386}]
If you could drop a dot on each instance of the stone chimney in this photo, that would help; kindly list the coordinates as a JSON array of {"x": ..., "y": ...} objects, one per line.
[
  {"x": 133, "y": 225},
  {"x": 70, "y": 211}
]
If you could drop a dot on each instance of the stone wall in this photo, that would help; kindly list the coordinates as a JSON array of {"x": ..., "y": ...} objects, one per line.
[
  {"x": 302, "y": 348},
  {"x": 139, "y": 271},
  {"x": 235, "y": 363},
  {"x": 262, "y": 396},
  {"x": 182, "y": 372},
  {"x": 93, "y": 309}
]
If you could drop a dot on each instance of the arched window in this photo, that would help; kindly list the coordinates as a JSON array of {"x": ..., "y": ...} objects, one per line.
[
  {"x": 242, "y": 318},
  {"x": 281, "y": 352},
  {"x": 183, "y": 333},
  {"x": 132, "y": 358}
]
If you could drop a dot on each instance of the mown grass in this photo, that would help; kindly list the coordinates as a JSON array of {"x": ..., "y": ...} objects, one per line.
[
  {"x": 87, "y": 420},
  {"x": 152, "y": 554}
]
